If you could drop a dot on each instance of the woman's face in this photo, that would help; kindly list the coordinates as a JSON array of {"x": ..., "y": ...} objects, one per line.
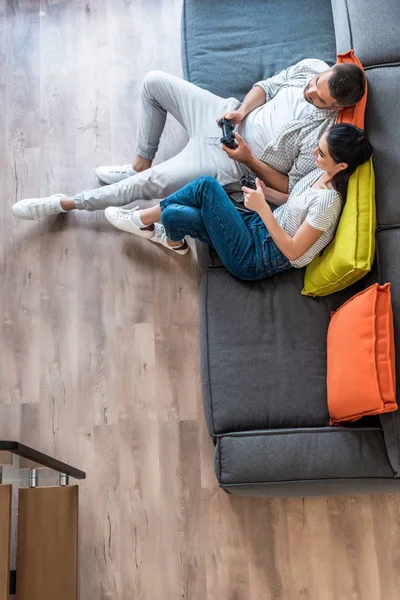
[
  {"x": 324, "y": 160},
  {"x": 322, "y": 157}
]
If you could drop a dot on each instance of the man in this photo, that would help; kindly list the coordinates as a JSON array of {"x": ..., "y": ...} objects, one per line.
[{"x": 279, "y": 123}]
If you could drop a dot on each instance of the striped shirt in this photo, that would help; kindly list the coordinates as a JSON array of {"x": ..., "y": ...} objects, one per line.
[{"x": 320, "y": 208}]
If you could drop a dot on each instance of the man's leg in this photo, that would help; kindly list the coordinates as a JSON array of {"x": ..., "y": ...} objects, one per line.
[
  {"x": 189, "y": 104},
  {"x": 157, "y": 182},
  {"x": 196, "y": 159},
  {"x": 161, "y": 93}
]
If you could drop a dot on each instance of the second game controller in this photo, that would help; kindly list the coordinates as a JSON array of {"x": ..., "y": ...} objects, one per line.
[{"x": 248, "y": 181}]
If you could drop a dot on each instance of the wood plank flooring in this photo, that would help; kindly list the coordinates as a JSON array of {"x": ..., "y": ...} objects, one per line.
[
  {"x": 99, "y": 356},
  {"x": 5, "y": 539}
]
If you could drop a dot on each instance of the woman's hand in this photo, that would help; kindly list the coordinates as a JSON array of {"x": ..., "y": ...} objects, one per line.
[
  {"x": 254, "y": 199},
  {"x": 268, "y": 191},
  {"x": 241, "y": 153},
  {"x": 236, "y": 116},
  {"x": 271, "y": 195}
]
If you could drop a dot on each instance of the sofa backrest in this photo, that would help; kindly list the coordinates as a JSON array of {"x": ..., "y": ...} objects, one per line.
[{"x": 228, "y": 46}]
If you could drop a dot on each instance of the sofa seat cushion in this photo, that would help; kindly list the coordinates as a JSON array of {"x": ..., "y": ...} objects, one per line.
[
  {"x": 226, "y": 48},
  {"x": 263, "y": 351}
]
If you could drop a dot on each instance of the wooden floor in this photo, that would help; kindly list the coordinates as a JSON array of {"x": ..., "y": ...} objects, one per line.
[{"x": 99, "y": 356}]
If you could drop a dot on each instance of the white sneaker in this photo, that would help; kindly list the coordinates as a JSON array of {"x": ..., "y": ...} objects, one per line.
[
  {"x": 114, "y": 174},
  {"x": 36, "y": 208},
  {"x": 160, "y": 237},
  {"x": 125, "y": 220}
]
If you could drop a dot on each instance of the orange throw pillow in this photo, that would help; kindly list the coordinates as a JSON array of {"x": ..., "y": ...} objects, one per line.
[
  {"x": 353, "y": 114},
  {"x": 361, "y": 357}
]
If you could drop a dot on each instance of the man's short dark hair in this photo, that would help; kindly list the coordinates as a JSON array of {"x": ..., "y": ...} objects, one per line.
[{"x": 347, "y": 84}]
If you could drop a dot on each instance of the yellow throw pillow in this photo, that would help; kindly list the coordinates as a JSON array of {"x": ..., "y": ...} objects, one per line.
[{"x": 350, "y": 254}]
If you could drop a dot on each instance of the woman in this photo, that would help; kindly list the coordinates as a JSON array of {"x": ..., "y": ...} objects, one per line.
[
  {"x": 251, "y": 245},
  {"x": 262, "y": 243}
]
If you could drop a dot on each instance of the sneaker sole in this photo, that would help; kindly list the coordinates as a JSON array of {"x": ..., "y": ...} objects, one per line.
[{"x": 182, "y": 252}]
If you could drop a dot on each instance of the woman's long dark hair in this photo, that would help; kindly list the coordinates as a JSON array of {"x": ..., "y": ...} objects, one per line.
[{"x": 347, "y": 143}]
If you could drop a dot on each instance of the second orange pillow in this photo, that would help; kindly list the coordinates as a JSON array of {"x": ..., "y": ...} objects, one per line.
[{"x": 361, "y": 357}]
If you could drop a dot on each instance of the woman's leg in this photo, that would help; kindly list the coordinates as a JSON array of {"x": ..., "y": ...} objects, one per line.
[
  {"x": 203, "y": 210},
  {"x": 149, "y": 216}
]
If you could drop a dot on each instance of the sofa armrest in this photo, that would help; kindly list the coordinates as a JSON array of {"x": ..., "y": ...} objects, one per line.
[{"x": 319, "y": 459}]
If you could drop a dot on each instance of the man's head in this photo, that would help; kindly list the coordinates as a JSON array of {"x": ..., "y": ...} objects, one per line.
[{"x": 342, "y": 85}]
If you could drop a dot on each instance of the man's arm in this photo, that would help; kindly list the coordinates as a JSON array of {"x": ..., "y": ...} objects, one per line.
[
  {"x": 270, "y": 176},
  {"x": 263, "y": 91},
  {"x": 256, "y": 97}
]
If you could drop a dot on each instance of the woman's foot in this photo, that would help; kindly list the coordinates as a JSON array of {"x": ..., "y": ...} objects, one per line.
[
  {"x": 114, "y": 174},
  {"x": 160, "y": 237},
  {"x": 33, "y": 209},
  {"x": 129, "y": 220}
]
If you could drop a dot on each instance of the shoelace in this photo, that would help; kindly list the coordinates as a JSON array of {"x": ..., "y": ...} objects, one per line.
[
  {"x": 160, "y": 234},
  {"x": 127, "y": 215}
]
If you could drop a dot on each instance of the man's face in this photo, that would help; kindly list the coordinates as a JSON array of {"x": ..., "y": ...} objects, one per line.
[{"x": 317, "y": 91}]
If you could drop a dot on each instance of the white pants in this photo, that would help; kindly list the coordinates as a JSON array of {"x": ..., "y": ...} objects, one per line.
[{"x": 196, "y": 110}]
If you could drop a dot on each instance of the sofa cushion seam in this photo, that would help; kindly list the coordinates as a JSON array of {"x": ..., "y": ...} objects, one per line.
[
  {"x": 395, "y": 63},
  {"x": 349, "y": 22},
  {"x": 310, "y": 431},
  {"x": 185, "y": 45},
  {"x": 294, "y": 481}
]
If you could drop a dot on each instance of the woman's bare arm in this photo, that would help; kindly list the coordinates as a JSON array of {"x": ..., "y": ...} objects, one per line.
[
  {"x": 291, "y": 247},
  {"x": 277, "y": 198}
]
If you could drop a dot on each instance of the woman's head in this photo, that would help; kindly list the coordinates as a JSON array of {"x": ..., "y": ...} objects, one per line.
[
  {"x": 340, "y": 151},
  {"x": 343, "y": 147}
]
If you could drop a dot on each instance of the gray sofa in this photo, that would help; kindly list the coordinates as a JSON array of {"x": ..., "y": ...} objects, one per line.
[{"x": 263, "y": 345}]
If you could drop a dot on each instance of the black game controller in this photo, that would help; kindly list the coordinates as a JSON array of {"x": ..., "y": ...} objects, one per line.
[
  {"x": 228, "y": 137},
  {"x": 248, "y": 181}
]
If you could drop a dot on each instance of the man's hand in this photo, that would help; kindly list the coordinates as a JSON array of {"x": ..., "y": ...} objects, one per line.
[
  {"x": 254, "y": 199},
  {"x": 236, "y": 116},
  {"x": 241, "y": 153}
]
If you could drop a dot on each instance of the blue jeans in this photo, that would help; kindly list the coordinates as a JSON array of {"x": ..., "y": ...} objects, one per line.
[{"x": 203, "y": 210}]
